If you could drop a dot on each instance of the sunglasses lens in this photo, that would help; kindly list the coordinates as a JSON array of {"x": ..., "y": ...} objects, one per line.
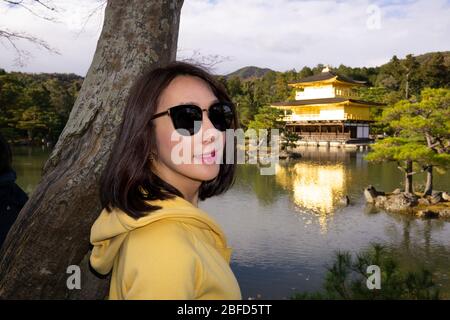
[
  {"x": 184, "y": 118},
  {"x": 221, "y": 116}
]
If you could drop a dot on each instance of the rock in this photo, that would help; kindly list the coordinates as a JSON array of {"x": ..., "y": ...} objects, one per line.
[
  {"x": 446, "y": 196},
  {"x": 294, "y": 155},
  {"x": 371, "y": 193},
  {"x": 282, "y": 155},
  {"x": 380, "y": 201},
  {"x": 412, "y": 198},
  {"x": 427, "y": 214},
  {"x": 433, "y": 206},
  {"x": 400, "y": 202},
  {"x": 345, "y": 201},
  {"x": 424, "y": 201},
  {"x": 435, "y": 197},
  {"x": 445, "y": 213}
]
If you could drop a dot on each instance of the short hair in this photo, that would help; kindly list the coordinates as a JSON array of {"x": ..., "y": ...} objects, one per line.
[
  {"x": 127, "y": 180},
  {"x": 5, "y": 155}
]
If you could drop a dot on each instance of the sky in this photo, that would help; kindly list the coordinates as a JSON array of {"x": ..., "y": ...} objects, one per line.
[{"x": 277, "y": 34}]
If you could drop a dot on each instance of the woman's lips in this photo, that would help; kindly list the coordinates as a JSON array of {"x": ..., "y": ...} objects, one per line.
[{"x": 207, "y": 158}]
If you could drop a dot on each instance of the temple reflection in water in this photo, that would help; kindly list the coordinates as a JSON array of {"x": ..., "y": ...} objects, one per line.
[{"x": 317, "y": 183}]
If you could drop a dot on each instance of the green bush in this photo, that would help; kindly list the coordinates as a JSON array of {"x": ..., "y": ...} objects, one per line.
[{"x": 346, "y": 279}]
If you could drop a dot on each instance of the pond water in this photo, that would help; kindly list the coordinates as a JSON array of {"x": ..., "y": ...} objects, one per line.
[{"x": 285, "y": 228}]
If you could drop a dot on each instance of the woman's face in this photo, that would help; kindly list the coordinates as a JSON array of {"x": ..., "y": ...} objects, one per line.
[{"x": 194, "y": 152}]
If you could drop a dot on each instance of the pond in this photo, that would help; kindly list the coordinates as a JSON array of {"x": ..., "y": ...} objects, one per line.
[{"x": 285, "y": 228}]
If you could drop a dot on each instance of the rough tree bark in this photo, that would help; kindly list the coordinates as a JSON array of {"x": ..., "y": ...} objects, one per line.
[
  {"x": 429, "y": 184},
  {"x": 52, "y": 230},
  {"x": 409, "y": 177}
]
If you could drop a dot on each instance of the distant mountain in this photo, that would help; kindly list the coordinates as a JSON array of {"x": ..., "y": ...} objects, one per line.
[
  {"x": 424, "y": 58},
  {"x": 252, "y": 72},
  {"x": 248, "y": 73}
]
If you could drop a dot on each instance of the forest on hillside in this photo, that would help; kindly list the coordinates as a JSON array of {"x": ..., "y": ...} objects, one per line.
[{"x": 37, "y": 106}]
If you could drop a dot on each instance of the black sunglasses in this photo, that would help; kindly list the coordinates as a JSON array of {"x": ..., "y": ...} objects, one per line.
[{"x": 221, "y": 115}]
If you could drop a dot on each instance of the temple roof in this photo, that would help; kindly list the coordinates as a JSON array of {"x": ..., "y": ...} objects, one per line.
[
  {"x": 323, "y": 76},
  {"x": 323, "y": 101}
]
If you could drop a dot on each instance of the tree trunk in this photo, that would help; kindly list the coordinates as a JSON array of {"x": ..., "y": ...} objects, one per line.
[
  {"x": 429, "y": 184},
  {"x": 409, "y": 177},
  {"x": 52, "y": 230},
  {"x": 407, "y": 86},
  {"x": 30, "y": 136}
]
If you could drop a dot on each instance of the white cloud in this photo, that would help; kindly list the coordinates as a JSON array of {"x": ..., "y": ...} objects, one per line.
[
  {"x": 279, "y": 34},
  {"x": 74, "y": 35},
  {"x": 283, "y": 34}
]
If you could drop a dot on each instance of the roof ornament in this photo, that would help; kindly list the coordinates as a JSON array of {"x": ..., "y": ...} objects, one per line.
[{"x": 326, "y": 69}]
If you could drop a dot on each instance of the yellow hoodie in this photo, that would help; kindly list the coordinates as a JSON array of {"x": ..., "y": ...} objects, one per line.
[{"x": 177, "y": 252}]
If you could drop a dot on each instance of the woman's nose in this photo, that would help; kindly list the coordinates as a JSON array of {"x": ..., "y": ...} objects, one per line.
[{"x": 209, "y": 131}]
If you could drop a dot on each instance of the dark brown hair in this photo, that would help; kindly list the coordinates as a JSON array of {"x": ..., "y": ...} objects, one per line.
[
  {"x": 5, "y": 155},
  {"x": 127, "y": 180}
]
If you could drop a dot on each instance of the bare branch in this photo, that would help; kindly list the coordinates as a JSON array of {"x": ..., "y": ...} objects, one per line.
[
  {"x": 14, "y": 2},
  {"x": 24, "y": 36},
  {"x": 11, "y": 37},
  {"x": 27, "y": 7},
  {"x": 23, "y": 55},
  {"x": 91, "y": 14},
  {"x": 45, "y": 5},
  {"x": 208, "y": 62}
]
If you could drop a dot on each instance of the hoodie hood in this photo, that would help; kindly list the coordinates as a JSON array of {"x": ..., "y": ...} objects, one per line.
[{"x": 111, "y": 228}]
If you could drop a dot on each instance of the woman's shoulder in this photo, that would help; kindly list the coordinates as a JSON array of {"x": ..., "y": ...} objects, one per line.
[
  {"x": 163, "y": 234},
  {"x": 159, "y": 261}
]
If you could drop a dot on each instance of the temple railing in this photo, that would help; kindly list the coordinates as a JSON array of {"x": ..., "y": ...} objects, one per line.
[{"x": 324, "y": 136}]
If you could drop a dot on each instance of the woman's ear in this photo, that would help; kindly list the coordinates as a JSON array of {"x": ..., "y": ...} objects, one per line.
[{"x": 152, "y": 156}]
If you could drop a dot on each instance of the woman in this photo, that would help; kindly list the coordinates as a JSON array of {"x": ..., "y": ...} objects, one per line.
[
  {"x": 12, "y": 197},
  {"x": 151, "y": 234}
]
